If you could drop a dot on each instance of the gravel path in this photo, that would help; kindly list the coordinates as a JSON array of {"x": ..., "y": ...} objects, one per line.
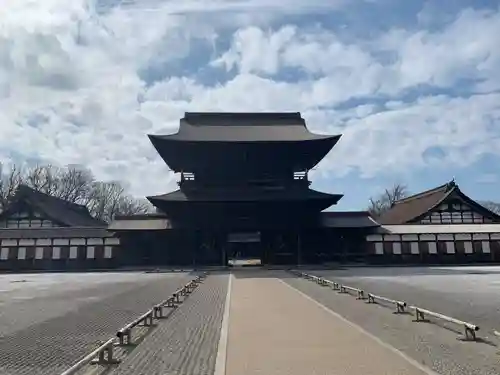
[
  {"x": 185, "y": 343},
  {"x": 70, "y": 330},
  {"x": 433, "y": 346}
]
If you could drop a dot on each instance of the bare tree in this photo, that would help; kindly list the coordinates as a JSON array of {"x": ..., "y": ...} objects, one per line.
[
  {"x": 9, "y": 183},
  {"x": 74, "y": 184},
  {"x": 384, "y": 201},
  {"x": 492, "y": 206},
  {"x": 43, "y": 178},
  {"x": 108, "y": 199},
  {"x": 132, "y": 206},
  {"x": 71, "y": 184}
]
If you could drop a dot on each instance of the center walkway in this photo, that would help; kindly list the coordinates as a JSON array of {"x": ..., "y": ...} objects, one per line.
[{"x": 274, "y": 329}]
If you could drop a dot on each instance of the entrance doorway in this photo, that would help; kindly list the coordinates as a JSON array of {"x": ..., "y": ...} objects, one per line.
[{"x": 244, "y": 249}]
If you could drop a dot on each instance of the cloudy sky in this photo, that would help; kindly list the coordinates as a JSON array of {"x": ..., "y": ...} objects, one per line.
[{"x": 413, "y": 86}]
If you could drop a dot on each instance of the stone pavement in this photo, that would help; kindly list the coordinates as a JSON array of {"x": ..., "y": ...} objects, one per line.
[
  {"x": 434, "y": 344},
  {"x": 186, "y": 342},
  {"x": 276, "y": 330},
  {"x": 52, "y": 345}
]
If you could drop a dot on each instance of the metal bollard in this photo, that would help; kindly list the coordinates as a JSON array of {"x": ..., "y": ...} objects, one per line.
[
  {"x": 419, "y": 315},
  {"x": 158, "y": 312},
  {"x": 148, "y": 320},
  {"x": 104, "y": 357},
  {"x": 125, "y": 337},
  {"x": 400, "y": 307},
  {"x": 470, "y": 334}
]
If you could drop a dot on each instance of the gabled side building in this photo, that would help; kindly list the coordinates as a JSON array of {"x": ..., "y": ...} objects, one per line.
[
  {"x": 38, "y": 231},
  {"x": 441, "y": 225}
]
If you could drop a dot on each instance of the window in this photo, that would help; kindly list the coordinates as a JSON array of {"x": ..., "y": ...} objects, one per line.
[
  {"x": 73, "y": 252},
  {"x": 4, "y": 253},
  {"x": 432, "y": 248},
  {"x": 414, "y": 249},
  {"x": 56, "y": 252},
  {"x": 39, "y": 253},
  {"x": 396, "y": 248},
  {"x": 450, "y": 247},
  {"x": 468, "y": 247},
  {"x": 486, "y": 247},
  {"x": 108, "y": 252},
  {"x": 21, "y": 254}
]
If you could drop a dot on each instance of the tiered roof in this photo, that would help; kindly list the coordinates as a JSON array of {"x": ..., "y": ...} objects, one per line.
[{"x": 238, "y": 140}]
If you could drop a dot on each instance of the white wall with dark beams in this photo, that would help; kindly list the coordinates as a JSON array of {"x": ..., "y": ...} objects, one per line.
[
  {"x": 436, "y": 243},
  {"x": 58, "y": 253}
]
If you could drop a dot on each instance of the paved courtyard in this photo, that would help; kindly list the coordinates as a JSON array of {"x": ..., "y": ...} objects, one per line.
[
  {"x": 468, "y": 293},
  {"x": 49, "y": 321},
  {"x": 270, "y": 322}
]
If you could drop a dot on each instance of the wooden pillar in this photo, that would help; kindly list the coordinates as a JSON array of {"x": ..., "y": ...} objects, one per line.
[
  {"x": 299, "y": 249},
  {"x": 224, "y": 249},
  {"x": 198, "y": 244}
]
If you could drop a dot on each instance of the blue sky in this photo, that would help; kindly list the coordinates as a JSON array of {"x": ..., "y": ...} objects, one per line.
[{"x": 413, "y": 86}]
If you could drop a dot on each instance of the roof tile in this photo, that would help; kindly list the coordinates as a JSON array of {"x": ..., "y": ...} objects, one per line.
[
  {"x": 406, "y": 209},
  {"x": 67, "y": 213}
]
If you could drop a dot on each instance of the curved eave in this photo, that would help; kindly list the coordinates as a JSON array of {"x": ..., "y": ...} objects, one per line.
[
  {"x": 258, "y": 137},
  {"x": 183, "y": 155},
  {"x": 202, "y": 196},
  {"x": 178, "y": 201}
]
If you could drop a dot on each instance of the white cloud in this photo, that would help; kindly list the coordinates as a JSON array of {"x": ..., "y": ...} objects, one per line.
[
  {"x": 205, "y": 6},
  {"x": 488, "y": 178},
  {"x": 255, "y": 51},
  {"x": 72, "y": 89},
  {"x": 395, "y": 140}
]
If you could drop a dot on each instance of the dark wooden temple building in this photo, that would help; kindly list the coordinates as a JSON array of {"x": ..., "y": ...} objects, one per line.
[{"x": 243, "y": 189}]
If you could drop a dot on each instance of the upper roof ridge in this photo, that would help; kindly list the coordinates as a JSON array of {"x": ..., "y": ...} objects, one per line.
[
  {"x": 446, "y": 187},
  {"x": 70, "y": 204},
  {"x": 243, "y": 118}
]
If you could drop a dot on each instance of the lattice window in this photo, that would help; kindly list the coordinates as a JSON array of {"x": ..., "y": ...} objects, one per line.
[
  {"x": 26, "y": 219},
  {"x": 454, "y": 213}
]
